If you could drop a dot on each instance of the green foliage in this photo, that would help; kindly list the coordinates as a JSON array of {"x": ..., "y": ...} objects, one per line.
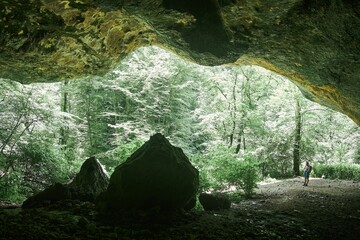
[
  {"x": 236, "y": 196},
  {"x": 338, "y": 171},
  {"x": 276, "y": 157},
  {"x": 44, "y": 162},
  {"x": 220, "y": 169},
  {"x": 111, "y": 159},
  {"x": 31, "y": 156},
  {"x": 240, "y": 173},
  {"x": 39, "y": 163},
  {"x": 249, "y": 175},
  {"x": 198, "y": 207},
  {"x": 357, "y": 155},
  {"x": 205, "y": 167},
  {"x": 46, "y": 131},
  {"x": 224, "y": 164},
  {"x": 12, "y": 188}
]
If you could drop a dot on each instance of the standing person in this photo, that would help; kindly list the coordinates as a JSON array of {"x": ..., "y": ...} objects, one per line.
[{"x": 307, "y": 171}]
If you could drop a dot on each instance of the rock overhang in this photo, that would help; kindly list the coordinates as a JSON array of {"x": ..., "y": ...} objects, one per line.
[{"x": 313, "y": 43}]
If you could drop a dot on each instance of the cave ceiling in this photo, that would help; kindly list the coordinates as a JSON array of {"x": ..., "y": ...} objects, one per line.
[{"x": 314, "y": 43}]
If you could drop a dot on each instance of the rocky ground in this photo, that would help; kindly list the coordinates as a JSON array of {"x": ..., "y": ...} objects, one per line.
[{"x": 326, "y": 209}]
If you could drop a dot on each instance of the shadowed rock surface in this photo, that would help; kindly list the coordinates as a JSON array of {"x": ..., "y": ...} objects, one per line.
[
  {"x": 157, "y": 175},
  {"x": 86, "y": 186},
  {"x": 214, "y": 201},
  {"x": 327, "y": 209},
  {"x": 313, "y": 43},
  {"x": 90, "y": 181}
]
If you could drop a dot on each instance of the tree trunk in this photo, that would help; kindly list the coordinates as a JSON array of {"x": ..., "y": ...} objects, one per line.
[
  {"x": 64, "y": 108},
  {"x": 233, "y": 112},
  {"x": 238, "y": 146},
  {"x": 89, "y": 125},
  {"x": 244, "y": 142},
  {"x": 231, "y": 139},
  {"x": 241, "y": 139},
  {"x": 297, "y": 139}
]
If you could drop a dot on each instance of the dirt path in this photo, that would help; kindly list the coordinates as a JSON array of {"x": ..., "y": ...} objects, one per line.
[{"x": 326, "y": 209}]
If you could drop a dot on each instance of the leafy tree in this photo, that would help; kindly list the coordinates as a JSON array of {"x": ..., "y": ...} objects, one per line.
[
  {"x": 234, "y": 122},
  {"x": 31, "y": 156}
]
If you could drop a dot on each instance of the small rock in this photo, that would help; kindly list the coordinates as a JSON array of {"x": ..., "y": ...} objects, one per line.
[
  {"x": 83, "y": 222},
  {"x": 87, "y": 184},
  {"x": 214, "y": 201}
]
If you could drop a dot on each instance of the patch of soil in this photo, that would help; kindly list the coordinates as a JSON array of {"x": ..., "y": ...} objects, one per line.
[{"x": 326, "y": 209}]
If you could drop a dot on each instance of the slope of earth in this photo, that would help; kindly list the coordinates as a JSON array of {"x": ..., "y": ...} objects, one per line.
[{"x": 327, "y": 209}]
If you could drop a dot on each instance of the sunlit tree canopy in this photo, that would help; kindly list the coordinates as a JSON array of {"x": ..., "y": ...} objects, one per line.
[{"x": 226, "y": 112}]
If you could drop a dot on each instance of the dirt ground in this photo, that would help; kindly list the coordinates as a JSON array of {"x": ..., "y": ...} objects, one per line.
[{"x": 326, "y": 209}]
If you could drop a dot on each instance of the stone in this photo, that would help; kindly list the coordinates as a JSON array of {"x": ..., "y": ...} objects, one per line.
[
  {"x": 157, "y": 175},
  {"x": 191, "y": 204},
  {"x": 90, "y": 181},
  {"x": 86, "y": 186},
  {"x": 214, "y": 201},
  {"x": 50, "y": 195}
]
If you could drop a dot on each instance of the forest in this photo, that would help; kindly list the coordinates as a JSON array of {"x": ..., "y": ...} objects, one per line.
[{"x": 237, "y": 125}]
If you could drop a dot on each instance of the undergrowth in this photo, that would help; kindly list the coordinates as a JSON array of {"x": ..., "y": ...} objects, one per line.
[{"x": 338, "y": 171}]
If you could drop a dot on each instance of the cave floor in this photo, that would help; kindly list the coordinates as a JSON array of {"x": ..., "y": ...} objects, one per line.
[{"x": 326, "y": 209}]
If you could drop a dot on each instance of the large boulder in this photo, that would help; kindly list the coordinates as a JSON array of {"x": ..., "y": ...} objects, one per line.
[
  {"x": 156, "y": 175},
  {"x": 86, "y": 186}
]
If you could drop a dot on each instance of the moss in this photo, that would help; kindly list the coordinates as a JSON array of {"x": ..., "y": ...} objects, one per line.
[{"x": 114, "y": 40}]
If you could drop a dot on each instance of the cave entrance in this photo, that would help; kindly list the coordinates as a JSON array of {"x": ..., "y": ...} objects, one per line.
[{"x": 215, "y": 114}]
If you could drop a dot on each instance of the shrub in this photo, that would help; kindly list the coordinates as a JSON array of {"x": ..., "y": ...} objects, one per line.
[
  {"x": 206, "y": 180},
  {"x": 221, "y": 169},
  {"x": 38, "y": 163},
  {"x": 11, "y": 188},
  {"x": 338, "y": 171},
  {"x": 248, "y": 177},
  {"x": 242, "y": 173}
]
